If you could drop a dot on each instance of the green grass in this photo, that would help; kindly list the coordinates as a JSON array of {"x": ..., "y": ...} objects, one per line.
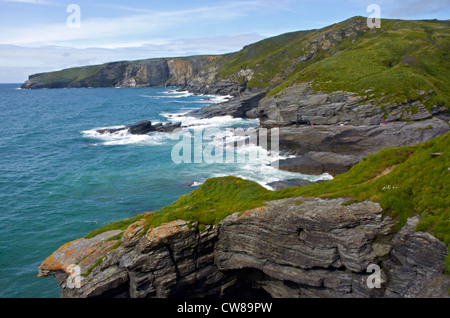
[
  {"x": 405, "y": 181},
  {"x": 212, "y": 202},
  {"x": 117, "y": 225},
  {"x": 418, "y": 184},
  {"x": 403, "y": 60},
  {"x": 69, "y": 75},
  {"x": 412, "y": 54},
  {"x": 209, "y": 204},
  {"x": 90, "y": 269}
]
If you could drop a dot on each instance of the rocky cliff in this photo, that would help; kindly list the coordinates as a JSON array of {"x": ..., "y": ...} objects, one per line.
[
  {"x": 305, "y": 83},
  {"x": 152, "y": 72},
  {"x": 385, "y": 221},
  {"x": 294, "y": 247}
]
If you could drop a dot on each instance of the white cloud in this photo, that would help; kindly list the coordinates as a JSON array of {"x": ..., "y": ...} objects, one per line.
[
  {"x": 29, "y": 1},
  {"x": 17, "y": 62},
  {"x": 137, "y": 29},
  {"x": 137, "y": 35}
]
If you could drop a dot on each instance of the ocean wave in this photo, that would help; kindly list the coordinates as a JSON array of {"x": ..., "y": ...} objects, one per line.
[
  {"x": 176, "y": 94},
  {"x": 150, "y": 96},
  {"x": 213, "y": 122},
  {"x": 124, "y": 137},
  {"x": 214, "y": 99},
  {"x": 263, "y": 175},
  {"x": 205, "y": 98}
]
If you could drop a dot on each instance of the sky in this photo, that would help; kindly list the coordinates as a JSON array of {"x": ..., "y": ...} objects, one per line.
[{"x": 46, "y": 35}]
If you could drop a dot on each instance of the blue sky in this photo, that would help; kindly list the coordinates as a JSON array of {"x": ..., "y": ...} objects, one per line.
[{"x": 35, "y": 37}]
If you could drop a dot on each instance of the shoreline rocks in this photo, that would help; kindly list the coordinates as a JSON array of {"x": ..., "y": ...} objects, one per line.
[
  {"x": 296, "y": 248},
  {"x": 335, "y": 149},
  {"x": 300, "y": 104},
  {"x": 143, "y": 127},
  {"x": 237, "y": 107}
]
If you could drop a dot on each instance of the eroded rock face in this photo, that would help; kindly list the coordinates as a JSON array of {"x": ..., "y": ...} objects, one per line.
[
  {"x": 335, "y": 149},
  {"x": 236, "y": 107},
  {"x": 294, "y": 247},
  {"x": 320, "y": 247},
  {"x": 300, "y": 104},
  {"x": 415, "y": 267}
]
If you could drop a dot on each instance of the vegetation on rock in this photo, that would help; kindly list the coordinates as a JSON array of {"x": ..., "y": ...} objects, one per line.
[{"x": 406, "y": 181}]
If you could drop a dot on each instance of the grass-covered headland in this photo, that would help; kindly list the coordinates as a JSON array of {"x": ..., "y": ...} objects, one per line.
[
  {"x": 403, "y": 60},
  {"x": 406, "y": 181}
]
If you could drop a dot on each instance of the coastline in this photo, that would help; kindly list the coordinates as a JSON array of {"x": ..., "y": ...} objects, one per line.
[{"x": 336, "y": 110}]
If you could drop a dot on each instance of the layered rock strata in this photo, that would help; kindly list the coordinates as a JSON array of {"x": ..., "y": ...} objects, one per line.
[{"x": 294, "y": 247}]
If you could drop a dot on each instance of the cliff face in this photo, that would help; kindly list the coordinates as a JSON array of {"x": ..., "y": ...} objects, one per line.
[
  {"x": 293, "y": 247},
  {"x": 300, "y": 104},
  {"x": 153, "y": 72}
]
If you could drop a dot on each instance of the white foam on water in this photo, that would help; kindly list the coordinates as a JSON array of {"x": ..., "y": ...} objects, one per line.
[
  {"x": 259, "y": 170},
  {"x": 219, "y": 122},
  {"x": 176, "y": 94},
  {"x": 251, "y": 161},
  {"x": 263, "y": 175},
  {"x": 214, "y": 99},
  {"x": 124, "y": 137},
  {"x": 206, "y": 99}
]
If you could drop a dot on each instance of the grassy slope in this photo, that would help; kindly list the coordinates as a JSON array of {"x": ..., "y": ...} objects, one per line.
[
  {"x": 69, "y": 75},
  {"x": 77, "y": 74},
  {"x": 412, "y": 54},
  {"x": 405, "y": 181}
]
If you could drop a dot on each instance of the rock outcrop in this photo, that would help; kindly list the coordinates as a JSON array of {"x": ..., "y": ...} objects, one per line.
[
  {"x": 295, "y": 247},
  {"x": 236, "y": 107},
  {"x": 277, "y": 185},
  {"x": 142, "y": 73},
  {"x": 335, "y": 149},
  {"x": 142, "y": 128},
  {"x": 300, "y": 105}
]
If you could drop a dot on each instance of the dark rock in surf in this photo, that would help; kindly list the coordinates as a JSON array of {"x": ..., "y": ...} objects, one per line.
[
  {"x": 169, "y": 127},
  {"x": 143, "y": 127}
]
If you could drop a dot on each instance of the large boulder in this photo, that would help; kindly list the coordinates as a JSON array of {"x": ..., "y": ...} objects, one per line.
[{"x": 142, "y": 128}]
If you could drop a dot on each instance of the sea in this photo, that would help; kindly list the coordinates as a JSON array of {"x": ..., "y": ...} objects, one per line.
[{"x": 61, "y": 179}]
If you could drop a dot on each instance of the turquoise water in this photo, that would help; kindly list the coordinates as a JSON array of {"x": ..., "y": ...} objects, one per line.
[{"x": 59, "y": 179}]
